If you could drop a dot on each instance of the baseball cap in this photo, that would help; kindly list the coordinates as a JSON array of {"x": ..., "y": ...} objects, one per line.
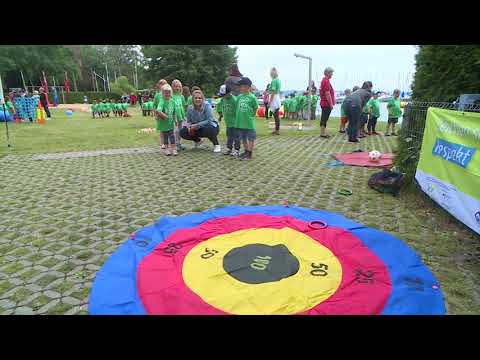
[{"x": 244, "y": 81}]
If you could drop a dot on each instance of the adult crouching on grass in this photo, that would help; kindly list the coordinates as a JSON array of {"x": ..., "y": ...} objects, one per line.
[
  {"x": 327, "y": 101},
  {"x": 201, "y": 123},
  {"x": 353, "y": 109}
]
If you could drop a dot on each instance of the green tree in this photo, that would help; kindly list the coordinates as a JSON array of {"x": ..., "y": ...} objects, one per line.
[
  {"x": 443, "y": 72},
  {"x": 122, "y": 86},
  {"x": 32, "y": 60},
  {"x": 202, "y": 65}
]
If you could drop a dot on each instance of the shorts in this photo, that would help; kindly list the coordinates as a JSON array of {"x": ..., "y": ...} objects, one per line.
[
  {"x": 363, "y": 119},
  {"x": 168, "y": 137},
  {"x": 246, "y": 134},
  {"x": 392, "y": 120}
]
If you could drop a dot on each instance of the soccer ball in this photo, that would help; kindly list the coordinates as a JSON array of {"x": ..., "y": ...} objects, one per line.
[{"x": 374, "y": 155}]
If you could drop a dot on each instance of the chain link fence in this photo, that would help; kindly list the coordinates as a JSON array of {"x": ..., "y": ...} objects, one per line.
[{"x": 411, "y": 133}]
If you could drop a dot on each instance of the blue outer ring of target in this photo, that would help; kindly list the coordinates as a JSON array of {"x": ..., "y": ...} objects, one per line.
[{"x": 114, "y": 289}]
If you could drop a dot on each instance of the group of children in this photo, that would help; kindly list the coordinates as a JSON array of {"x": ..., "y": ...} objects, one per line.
[
  {"x": 239, "y": 114},
  {"x": 296, "y": 106},
  {"x": 371, "y": 113},
  {"x": 103, "y": 108}
]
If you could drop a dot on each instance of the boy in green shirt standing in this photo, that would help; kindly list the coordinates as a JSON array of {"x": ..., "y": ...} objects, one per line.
[
  {"x": 180, "y": 104},
  {"x": 374, "y": 109},
  {"x": 167, "y": 117},
  {"x": 394, "y": 112},
  {"x": 246, "y": 108},
  {"x": 226, "y": 108}
]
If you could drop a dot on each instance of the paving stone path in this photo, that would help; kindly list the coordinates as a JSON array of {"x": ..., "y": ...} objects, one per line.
[{"x": 62, "y": 215}]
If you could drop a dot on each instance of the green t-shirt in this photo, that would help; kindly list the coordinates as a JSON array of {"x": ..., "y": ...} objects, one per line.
[
  {"x": 94, "y": 107},
  {"x": 394, "y": 110},
  {"x": 246, "y": 109},
  {"x": 286, "y": 105},
  {"x": 104, "y": 107},
  {"x": 227, "y": 107},
  {"x": 299, "y": 102},
  {"x": 314, "y": 101},
  {"x": 8, "y": 105},
  {"x": 275, "y": 86},
  {"x": 293, "y": 104},
  {"x": 168, "y": 107},
  {"x": 365, "y": 108},
  {"x": 305, "y": 101},
  {"x": 156, "y": 99},
  {"x": 180, "y": 103},
  {"x": 124, "y": 106},
  {"x": 374, "y": 104}
]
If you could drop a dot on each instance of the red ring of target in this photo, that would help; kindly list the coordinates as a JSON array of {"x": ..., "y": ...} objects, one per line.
[{"x": 364, "y": 289}]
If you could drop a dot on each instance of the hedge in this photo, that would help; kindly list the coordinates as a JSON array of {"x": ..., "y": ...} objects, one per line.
[{"x": 77, "y": 97}]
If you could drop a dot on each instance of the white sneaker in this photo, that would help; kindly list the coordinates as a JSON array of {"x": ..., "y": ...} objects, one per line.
[
  {"x": 217, "y": 149},
  {"x": 196, "y": 145},
  {"x": 235, "y": 152}
]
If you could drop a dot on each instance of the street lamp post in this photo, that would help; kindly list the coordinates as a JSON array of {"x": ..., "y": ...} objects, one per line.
[{"x": 309, "y": 81}]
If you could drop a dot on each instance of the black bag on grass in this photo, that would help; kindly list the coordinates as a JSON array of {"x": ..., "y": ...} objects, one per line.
[{"x": 386, "y": 181}]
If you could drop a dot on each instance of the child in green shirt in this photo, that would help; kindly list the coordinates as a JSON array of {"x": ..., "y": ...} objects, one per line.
[
  {"x": 167, "y": 118},
  {"x": 374, "y": 110},
  {"x": 226, "y": 108},
  {"x": 394, "y": 112},
  {"x": 246, "y": 109},
  {"x": 180, "y": 103},
  {"x": 343, "y": 115}
]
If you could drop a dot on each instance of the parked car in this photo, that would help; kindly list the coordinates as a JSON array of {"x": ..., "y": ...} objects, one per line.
[{"x": 468, "y": 102}]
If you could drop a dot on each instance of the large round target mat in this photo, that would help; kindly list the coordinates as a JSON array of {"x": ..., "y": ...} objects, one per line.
[{"x": 256, "y": 260}]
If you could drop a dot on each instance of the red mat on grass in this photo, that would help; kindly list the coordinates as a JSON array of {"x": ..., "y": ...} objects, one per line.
[{"x": 361, "y": 159}]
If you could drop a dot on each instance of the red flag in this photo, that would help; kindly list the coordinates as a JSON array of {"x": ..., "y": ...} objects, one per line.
[{"x": 67, "y": 83}]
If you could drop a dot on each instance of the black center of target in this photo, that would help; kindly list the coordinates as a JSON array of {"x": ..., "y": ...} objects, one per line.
[{"x": 259, "y": 263}]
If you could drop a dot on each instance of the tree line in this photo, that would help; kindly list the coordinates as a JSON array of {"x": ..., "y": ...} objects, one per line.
[{"x": 203, "y": 65}]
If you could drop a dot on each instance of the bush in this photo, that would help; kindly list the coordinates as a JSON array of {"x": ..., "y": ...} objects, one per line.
[
  {"x": 77, "y": 97},
  {"x": 122, "y": 87}
]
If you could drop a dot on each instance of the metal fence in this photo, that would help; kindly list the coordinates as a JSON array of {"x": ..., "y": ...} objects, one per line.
[{"x": 411, "y": 134}]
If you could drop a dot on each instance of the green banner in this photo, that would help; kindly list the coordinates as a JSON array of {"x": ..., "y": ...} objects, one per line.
[{"x": 449, "y": 166}]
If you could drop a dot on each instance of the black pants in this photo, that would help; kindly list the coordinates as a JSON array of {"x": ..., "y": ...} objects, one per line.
[
  {"x": 277, "y": 120},
  {"x": 168, "y": 137},
  {"x": 353, "y": 113},
  {"x": 266, "y": 110},
  {"x": 325, "y": 115},
  {"x": 209, "y": 131},
  {"x": 47, "y": 111},
  {"x": 372, "y": 123}
]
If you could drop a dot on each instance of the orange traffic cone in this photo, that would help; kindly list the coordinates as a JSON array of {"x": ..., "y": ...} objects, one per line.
[{"x": 40, "y": 114}]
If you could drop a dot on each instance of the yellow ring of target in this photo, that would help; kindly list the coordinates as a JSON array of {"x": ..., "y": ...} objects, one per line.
[{"x": 206, "y": 276}]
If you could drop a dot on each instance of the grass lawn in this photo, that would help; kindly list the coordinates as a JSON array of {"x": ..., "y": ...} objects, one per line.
[
  {"x": 60, "y": 219},
  {"x": 81, "y": 132}
]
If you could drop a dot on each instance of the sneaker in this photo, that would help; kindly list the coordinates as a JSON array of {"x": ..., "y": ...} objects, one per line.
[
  {"x": 387, "y": 134},
  {"x": 394, "y": 134},
  {"x": 217, "y": 149},
  {"x": 167, "y": 152},
  {"x": 196, "y": 145},
  {"x": 375, "y": 133},
  {"x": 243, "y": 155},
  {"x": 227, "y": 152},
  {"x": 370, "y": 133},
  {"x": 174, "y": 152},
  {"x": 163, "y": 147},
  {"x": 181, "y": 147},
  {"x": 275, "y": 132},
  {"x": 235, "y": 152}
]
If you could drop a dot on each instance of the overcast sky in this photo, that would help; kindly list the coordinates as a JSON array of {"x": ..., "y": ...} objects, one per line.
[{"x": 387, "y": 66}]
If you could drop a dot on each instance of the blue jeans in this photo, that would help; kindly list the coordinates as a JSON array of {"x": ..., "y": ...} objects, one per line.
[{"x": 232, "y": 138}]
